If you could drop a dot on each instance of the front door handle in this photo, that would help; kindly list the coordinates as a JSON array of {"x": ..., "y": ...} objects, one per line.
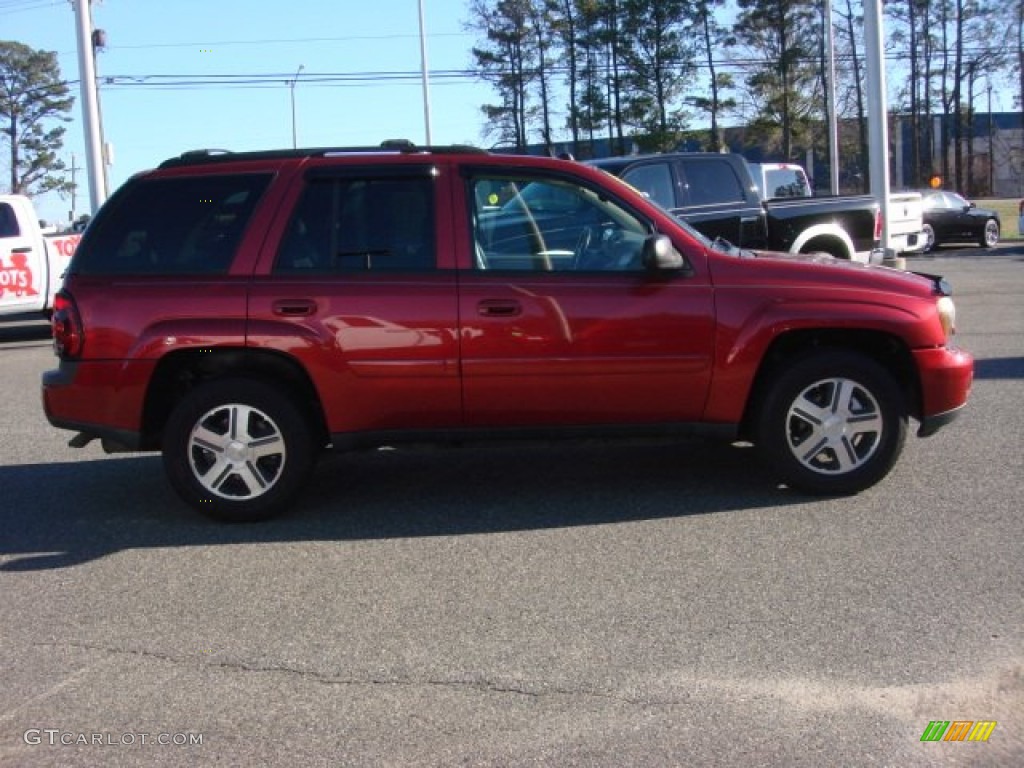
[
  {"x": 499, "y": 308},
  {"x": 294, "y": 307}
]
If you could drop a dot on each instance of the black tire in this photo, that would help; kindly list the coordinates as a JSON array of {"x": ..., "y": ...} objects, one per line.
[
  {"x": 990, "y": 234},
  {"x": 841, "y": 403},
  {"x": 259, "y": 438},
  {"x": 929, "y": 237}
]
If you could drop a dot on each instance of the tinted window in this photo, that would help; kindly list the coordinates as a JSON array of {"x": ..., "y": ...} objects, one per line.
[
  {"x": 171, "y": 226},
  {"x": 8, "y": 221},
  {"x": 358, "y": 224},
  {"x": 712, "y": 181},
  {"x": 538, "y": 224}
]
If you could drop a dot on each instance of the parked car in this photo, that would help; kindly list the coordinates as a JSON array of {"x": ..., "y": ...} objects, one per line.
[
  {"x": 244, "y": 312},
  {"x": 949, "y": 218}
]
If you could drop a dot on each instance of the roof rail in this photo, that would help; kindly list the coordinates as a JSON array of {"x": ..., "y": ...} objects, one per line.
[{"x": 402, "y": 146}]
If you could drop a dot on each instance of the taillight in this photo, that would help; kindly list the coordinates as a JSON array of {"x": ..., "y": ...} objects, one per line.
[
  {"x": 879, "y": 221},
  {"x": 68, "y": 337}
]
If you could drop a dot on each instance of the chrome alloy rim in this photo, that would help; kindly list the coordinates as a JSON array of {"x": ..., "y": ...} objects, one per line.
[
  {"x": 834, "y": 426},
  {"x": 236, "y": 452},
  {"x": 991, "y": 233}
]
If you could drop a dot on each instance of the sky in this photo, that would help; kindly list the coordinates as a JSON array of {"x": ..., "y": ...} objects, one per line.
[{"x": 147, "y": 121}]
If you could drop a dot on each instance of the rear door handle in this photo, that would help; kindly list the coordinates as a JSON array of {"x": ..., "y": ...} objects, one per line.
[
  {"x": 294, "y": 307},
  {"x": 499, "y": 308}
]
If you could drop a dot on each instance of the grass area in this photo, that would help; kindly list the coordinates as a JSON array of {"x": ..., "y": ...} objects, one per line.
[{"x": 1008, "y": 216}]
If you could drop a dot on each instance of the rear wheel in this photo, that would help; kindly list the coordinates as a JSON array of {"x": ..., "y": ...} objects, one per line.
[
  {"x": 237, "y": 450},
  {"x": 833, "y": 423},
  {"x": 929, "y": 237},
  {"x": 990, "y": 235}
]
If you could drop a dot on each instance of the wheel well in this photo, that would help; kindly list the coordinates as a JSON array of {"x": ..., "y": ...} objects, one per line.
[
  {"x": 179, "y": 372},
  {"x": 885, "y": 349}
]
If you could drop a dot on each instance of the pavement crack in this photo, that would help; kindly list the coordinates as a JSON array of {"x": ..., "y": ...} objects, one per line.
[{"x": 481, "y": 684}]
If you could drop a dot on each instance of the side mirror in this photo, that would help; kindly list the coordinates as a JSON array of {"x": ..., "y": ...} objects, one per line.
[{"x": 659, "y": 254}]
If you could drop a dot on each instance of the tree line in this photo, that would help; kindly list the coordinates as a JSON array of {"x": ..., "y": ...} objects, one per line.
[{"x": 641, "y": 72}]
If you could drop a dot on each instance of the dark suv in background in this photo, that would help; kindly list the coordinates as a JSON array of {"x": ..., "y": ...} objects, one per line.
[{"x": 242, "y": 312}]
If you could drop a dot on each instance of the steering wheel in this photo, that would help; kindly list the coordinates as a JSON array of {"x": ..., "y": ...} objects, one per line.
[{"x": 582, "y": 246}]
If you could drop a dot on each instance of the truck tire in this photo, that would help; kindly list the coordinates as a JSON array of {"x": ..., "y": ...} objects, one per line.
[
  {"x": 834, "y": 422},
  {"x": 237, "y": 450}
]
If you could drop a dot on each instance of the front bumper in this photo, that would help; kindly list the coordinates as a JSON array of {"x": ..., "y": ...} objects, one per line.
[{"x": 946, "y": 375}]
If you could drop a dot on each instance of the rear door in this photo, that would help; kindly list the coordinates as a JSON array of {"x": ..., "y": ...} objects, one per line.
[
  {"x": 356, "y": 283},
  {"x": 560, "y": 324}
]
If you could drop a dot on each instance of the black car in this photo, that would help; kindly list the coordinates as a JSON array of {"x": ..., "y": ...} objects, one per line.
[{"x": 949, "y": 218}]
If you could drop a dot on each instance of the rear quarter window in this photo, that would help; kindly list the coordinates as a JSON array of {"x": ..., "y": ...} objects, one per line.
[{"x": 180, "y": 225}]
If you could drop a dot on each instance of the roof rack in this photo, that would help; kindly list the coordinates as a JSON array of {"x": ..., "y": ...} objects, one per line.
[{"x": 399, "y": 146}]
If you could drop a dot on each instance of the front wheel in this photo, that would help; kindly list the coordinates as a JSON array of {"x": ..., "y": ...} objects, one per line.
[
  {"x": 237, "y": 450},
  {"x": 832, "y": 423},
  {"x": 990, "y": 235}
]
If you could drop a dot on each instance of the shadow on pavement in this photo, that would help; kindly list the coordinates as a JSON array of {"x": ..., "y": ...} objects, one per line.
[
  {"x": 999, "y": 368},
  {"x": 62, "y": 514}
]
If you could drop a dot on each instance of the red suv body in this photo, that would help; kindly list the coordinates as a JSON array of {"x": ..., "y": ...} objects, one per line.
[{"x": 242, "y": 312}]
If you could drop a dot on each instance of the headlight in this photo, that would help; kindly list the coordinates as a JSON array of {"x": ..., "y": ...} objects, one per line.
[{"x": 947, "y": 315}]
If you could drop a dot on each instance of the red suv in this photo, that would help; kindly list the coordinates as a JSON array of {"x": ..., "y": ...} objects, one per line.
[{"x": 243, "y": 312}]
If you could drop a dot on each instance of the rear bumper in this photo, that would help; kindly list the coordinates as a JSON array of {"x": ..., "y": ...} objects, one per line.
[
  {"x": 946, "y": 375},
  {"x": 908, "y": 243},
  {"x": 87, "y": 398}
]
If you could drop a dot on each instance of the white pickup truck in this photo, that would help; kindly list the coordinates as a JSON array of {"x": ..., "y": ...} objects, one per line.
[
  {"x": 906, "y": 222},
  {"x": 32, "y": 264}
]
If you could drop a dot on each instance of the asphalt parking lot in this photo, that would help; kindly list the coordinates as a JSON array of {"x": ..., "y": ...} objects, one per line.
[{"x": 588, "y": 605}]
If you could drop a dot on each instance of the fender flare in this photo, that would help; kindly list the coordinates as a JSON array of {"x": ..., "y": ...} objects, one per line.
[{"x": 823, "y": 230}]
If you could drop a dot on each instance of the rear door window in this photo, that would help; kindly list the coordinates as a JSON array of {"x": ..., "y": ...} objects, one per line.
[
  {"x": 184, "y": 225},
  {"x": 361, "y": 223}
]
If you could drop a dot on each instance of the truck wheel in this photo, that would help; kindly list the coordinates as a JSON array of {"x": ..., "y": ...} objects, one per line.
[
  {"x": 929, "y": 237},
  {"x": 833, "y": 423},
  {"x": 237, "y": 450},
  {"x": 990, "y": 235}
]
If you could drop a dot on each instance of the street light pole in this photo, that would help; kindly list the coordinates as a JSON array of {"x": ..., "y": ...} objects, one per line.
[
  {"x": 426, "y": 75},
  {"x": 292, "y": 86}
]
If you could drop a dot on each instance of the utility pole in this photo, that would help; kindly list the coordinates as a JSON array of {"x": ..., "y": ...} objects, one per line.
[
  {"x": 292, "y": 83},
  {"x": 90, "y": 105}
]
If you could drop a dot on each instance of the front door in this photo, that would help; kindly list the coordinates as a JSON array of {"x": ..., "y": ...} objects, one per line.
[{"x": 560, "y": 323}]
